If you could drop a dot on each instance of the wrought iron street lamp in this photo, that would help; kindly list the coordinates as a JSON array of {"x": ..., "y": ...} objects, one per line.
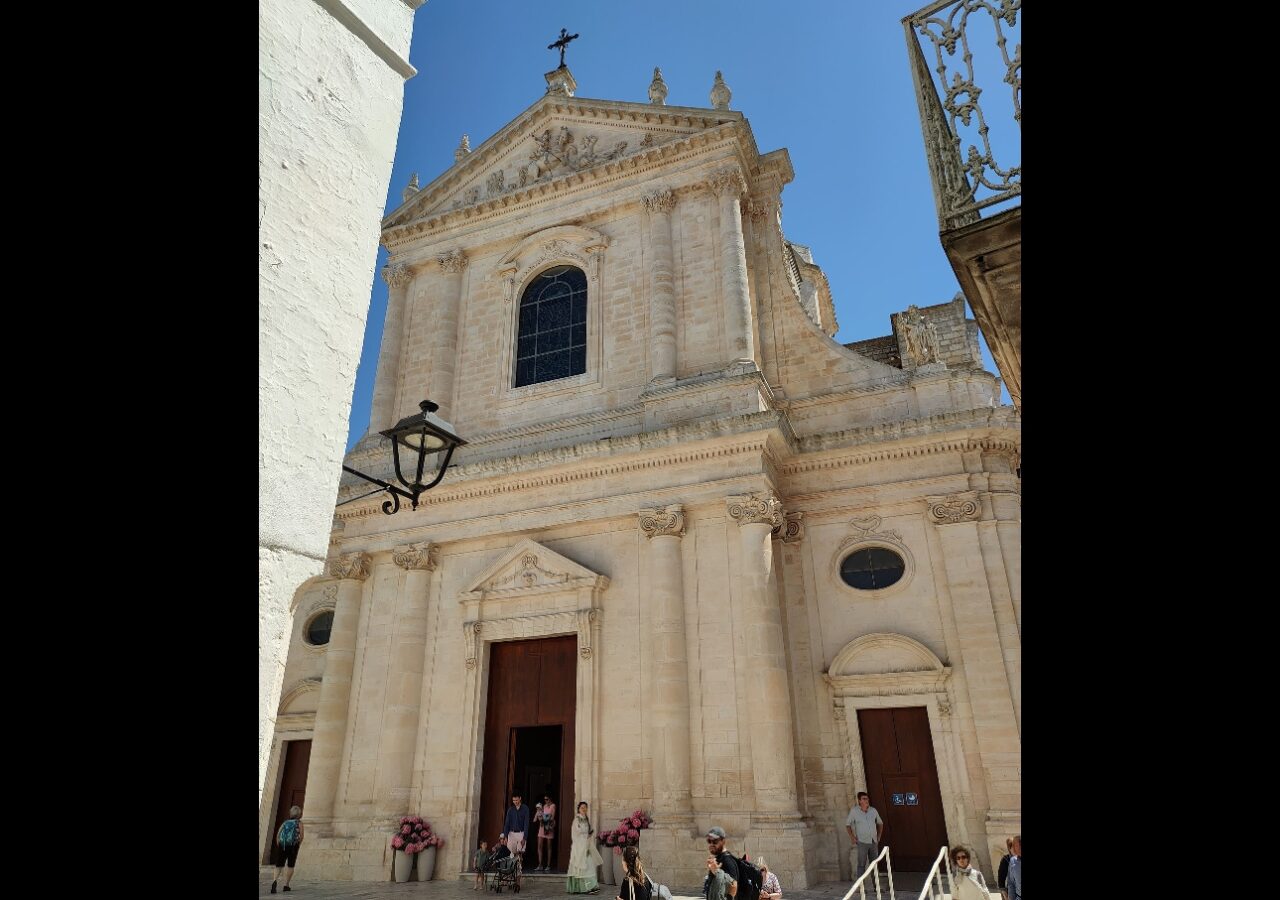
[{"x": 417, "y": 436}]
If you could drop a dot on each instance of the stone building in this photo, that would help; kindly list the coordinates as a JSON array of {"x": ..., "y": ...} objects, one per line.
[{"x": 697, "y": 557}]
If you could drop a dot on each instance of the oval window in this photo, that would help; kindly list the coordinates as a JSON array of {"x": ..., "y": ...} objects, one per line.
[
  {"x": 319, "y": 628},
  {"x": 872, "y": 568}
]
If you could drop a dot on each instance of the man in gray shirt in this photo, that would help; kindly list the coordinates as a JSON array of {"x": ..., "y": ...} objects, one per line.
[{"x": 865, "y": 827}]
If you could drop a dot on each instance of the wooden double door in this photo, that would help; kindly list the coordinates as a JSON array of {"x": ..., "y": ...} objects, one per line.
[
  {"x": 529, "y": 737},
  {"x": 293, "y": 787},
  {"x": 902, "y": 780}
]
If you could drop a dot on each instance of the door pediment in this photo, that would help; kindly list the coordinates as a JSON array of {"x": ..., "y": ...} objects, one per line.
[{"x": 530, "y": 569}]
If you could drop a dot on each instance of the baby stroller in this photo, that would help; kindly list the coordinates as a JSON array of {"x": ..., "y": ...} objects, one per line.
[{"x": 506, "y": 873}]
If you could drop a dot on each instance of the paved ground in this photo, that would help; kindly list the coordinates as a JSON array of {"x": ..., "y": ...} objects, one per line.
[{"x": 906, "y": 887}]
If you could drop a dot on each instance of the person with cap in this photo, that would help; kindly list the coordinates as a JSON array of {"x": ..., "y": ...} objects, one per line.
[{"x": 724, "y": 862}]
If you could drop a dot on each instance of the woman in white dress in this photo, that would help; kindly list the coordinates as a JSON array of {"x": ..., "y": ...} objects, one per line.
[
  {"x": 583, "y": 856},
  {"x": 968, "y": 883}
]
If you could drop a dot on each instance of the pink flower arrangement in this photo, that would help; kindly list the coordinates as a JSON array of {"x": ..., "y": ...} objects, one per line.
[
  {"x": 415, "y": 836},
  {"x": 627, "y": 834}
]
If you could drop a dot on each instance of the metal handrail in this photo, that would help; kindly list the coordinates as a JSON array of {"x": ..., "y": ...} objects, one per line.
[
  {"x": 874, "y": 869},
  {"x": 927, "y": 891}
]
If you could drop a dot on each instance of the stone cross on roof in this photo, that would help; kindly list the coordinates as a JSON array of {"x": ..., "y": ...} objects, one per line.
[{"x": 565, "y": 38}]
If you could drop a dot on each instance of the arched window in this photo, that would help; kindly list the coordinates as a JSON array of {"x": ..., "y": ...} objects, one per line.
[{"x": 552, "y": 339}]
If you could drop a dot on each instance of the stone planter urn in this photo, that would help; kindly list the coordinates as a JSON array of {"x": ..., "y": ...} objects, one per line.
[
  {"x": 606, "y": 865},
  {"x": 427, "y": 864},
  {"x": 402, "y": 866}
]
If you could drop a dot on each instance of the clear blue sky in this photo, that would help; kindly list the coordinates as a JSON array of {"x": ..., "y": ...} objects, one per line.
[{"x": 827, "y": 79}]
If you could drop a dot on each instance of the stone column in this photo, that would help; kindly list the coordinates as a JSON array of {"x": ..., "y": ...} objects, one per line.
[
  {"x": 335, "y": 688},
  {"x": 444, "y": 322},
  {"x": 663, "y": 332},
  {"x": 729, "y": 186},
  {"x": 664, "y": 528},
  {"x": 404, "y": 683},
  {"x": 382, "y": 413},
  {"x": 955, "y": 518},
  {"x": 772, "y": 749}
]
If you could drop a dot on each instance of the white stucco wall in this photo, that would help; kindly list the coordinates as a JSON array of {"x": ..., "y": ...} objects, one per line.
[{"x": 331, "y": 86}]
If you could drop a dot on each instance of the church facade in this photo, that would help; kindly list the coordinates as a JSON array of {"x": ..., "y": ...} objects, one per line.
[{"x": 697, "y": 556}]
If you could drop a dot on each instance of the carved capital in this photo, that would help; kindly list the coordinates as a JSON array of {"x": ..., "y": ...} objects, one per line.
[
  {"x": 453, "y": 262},
  {"x": 397, "y": 276},
  {"x": 351, "y": 565},
  {"x": 755, "y": 509},
  {"x": 953, "y": 508},
  {"x": 727, "y": 181},
  {"x": 417, "y": 556},
  {"x": 668, "y": 520},
  {"x": 792, "y": 530},
  {"x": 663, "y": 200},
  {"x": 760, "y": 210}
]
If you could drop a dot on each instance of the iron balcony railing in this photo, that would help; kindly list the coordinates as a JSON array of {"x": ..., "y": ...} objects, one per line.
[{"x": 966, "y": 179}]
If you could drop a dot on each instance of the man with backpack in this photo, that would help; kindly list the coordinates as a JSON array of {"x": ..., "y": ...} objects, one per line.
[
  {"x": 284, "y": 852},
  {"x": 745, "y": 878}
]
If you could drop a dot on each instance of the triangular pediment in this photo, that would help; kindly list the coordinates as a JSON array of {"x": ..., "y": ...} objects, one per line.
[
  {"x": 554, "y": 138},
  {"x": 528, "y": 569}
]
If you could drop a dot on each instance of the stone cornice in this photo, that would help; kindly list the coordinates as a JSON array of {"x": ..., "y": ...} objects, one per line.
[
  {"x": 687, "y": 442},
  {"x": 766, "y": 433}
]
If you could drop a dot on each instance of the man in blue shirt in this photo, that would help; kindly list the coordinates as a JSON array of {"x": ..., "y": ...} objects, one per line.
[
  {"x": 1013, "y": 885},
  {"x": 516, "y": 825}
]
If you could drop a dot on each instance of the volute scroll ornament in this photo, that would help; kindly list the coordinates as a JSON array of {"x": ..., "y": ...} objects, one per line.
[
  {"x": 953, "y": 508},
  {"x": 755, "y": 509},
  {"x": 452, "y": 263},
  {"x": 663, "y": 521},
  {"x": 727, "y": 181},
  {"x": 416, "y": 556}
]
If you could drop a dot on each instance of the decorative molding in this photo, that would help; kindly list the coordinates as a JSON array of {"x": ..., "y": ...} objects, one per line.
[
  {"x": 866, "y": 530},
  {"x": 791, "y": 531},
  {"x": 417, "y": 556},
  {"x": 302, "y": 687},
  {"x": 470, "y": 637},
  {"x": 727, "y": 181},
  {"x": 662, "y": 521},
  {"x": 530, "y": 569},
  {"x": 954, "y": 508},
  {"x": 911, "y": 655},
  {"x": 662, "y": 200},
  {"x": 586, "y": 620},
  {"x": 397, "y": 276},
  {"x": 452, "y": 263},
  {"x": 354, "y": 566},
  {"x": 755, "y": 509}
]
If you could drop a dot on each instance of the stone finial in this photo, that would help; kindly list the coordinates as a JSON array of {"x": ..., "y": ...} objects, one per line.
[
  {"x": 397, "y": 275},
  {"x": 720, "y": 93},
  {"x": 561, "y": 81},
  {"x": 464, "y": 149},
  {"x": 411, "y": 189},
  {"x": 658, "y": 89}
]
